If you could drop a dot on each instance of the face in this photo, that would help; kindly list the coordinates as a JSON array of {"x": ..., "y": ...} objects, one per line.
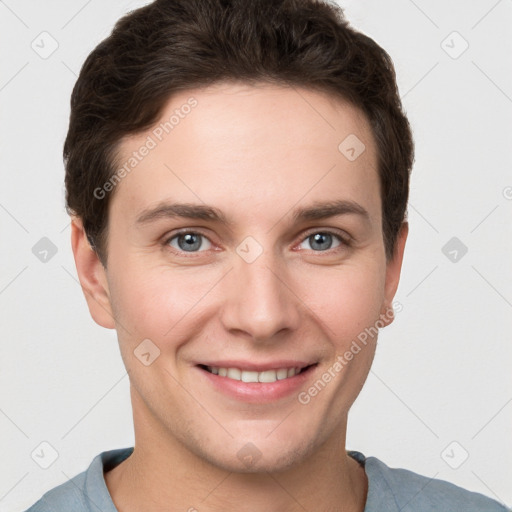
[{"x": 245, "y": 243}]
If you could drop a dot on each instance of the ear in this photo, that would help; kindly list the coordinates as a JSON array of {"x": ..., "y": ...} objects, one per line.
[
  {"x": 393, "y": 269},
  {"x": 92, "y": 276}
]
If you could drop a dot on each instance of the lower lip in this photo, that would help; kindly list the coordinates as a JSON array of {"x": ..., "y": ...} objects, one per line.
[{"x": 258, "y": 392}]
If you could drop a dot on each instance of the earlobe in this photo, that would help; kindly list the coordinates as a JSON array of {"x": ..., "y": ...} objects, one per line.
[
  {"x": 393, "y": 270},
  {"x": 92, "y": 276}
]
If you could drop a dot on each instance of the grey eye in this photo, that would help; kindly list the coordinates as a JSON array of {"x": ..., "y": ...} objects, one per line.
[
  {"x": 188, "y": 242},
  {"x": 322, "y": 241}
]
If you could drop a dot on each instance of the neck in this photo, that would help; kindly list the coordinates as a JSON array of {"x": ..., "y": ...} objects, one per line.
[{"x": 163, "y": 474}]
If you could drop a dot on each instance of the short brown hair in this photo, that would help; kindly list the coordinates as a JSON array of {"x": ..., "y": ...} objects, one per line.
[{"x": 174, "y": 45}]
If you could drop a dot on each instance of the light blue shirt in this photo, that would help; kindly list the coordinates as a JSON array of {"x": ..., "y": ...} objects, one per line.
[{"x": 389, "y": 490}]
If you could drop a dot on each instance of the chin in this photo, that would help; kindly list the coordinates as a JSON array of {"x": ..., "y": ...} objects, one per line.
[{"x": 244, "y": 456}]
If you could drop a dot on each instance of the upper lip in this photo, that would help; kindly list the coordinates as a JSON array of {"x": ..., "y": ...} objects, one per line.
[{"x": 256, "y": 367}]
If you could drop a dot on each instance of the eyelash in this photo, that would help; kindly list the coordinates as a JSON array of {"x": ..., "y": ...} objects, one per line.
[{"x": 346, "y": 241}]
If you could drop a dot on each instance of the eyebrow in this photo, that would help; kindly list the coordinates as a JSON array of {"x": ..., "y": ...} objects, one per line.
[{"x": 316, "y": 211}]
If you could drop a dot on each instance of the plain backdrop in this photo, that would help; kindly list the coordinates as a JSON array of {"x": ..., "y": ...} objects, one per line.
[{"x": 438, "y": 400}]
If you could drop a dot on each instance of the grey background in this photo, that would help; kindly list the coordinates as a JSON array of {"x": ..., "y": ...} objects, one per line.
[{"x": 440, "y": 388}]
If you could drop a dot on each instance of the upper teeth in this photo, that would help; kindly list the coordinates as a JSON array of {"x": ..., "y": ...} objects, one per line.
[{"x": 251, "y": 376}]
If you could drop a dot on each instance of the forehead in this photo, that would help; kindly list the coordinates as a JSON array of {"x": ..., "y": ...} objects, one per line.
[{"x": 259, "y": 146}]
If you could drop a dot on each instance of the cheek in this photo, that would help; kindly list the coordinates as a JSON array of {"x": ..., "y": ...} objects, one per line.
[
  {"x": 346, "y": 300},
  {"x": 157, "y": 303},
  {"x": 163, "y": 303}
]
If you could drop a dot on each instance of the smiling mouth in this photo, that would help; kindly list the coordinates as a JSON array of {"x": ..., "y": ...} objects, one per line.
[{"x": 266, "y": 376}]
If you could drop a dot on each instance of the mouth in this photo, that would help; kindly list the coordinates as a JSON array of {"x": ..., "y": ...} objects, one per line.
[
  {"x": 256, "y": 382},
  {"x": 265, "y": 376}
]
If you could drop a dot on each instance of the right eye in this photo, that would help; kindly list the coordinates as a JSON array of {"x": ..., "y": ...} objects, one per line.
[{"x": 187, "y": 241}]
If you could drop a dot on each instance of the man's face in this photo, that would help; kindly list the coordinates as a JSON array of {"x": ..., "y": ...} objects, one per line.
[{"x": 267, "y": 290}]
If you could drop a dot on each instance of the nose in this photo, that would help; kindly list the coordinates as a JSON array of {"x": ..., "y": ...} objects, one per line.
[{"x": 260, "y": 302}]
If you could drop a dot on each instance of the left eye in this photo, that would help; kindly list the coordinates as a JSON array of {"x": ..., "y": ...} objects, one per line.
[{"x": 322, "y": 240}]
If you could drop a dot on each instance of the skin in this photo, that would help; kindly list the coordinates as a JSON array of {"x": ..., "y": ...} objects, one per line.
[{"x": 256, "y": 153}]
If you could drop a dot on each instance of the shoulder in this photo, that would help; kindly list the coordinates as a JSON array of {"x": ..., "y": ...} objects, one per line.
[
  {"x": 406, "y": 491},
  {"x": 69, "y": 494},
  {"x": 86, "y": 491}
]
